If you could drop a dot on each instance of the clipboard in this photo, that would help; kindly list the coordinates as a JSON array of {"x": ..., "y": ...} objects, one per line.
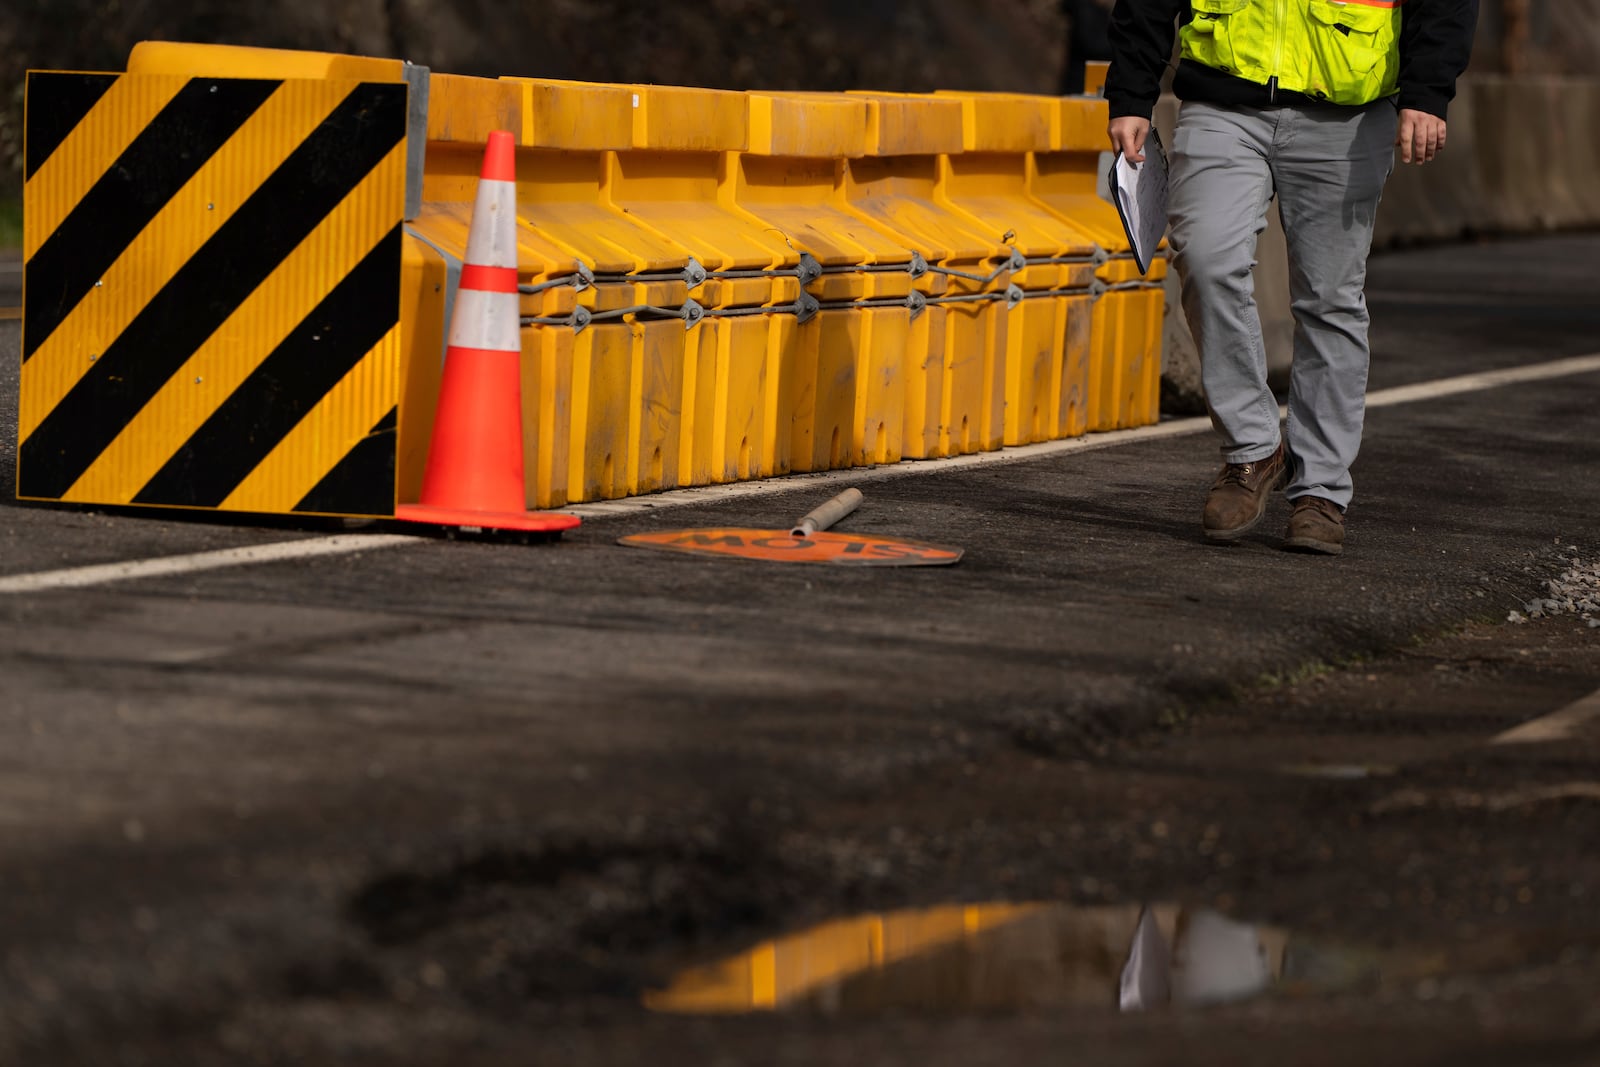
[{"x": 1139, "y": 191}]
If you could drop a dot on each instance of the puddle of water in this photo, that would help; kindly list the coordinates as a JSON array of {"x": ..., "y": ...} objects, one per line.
[{"x": 1014, "y": 957}]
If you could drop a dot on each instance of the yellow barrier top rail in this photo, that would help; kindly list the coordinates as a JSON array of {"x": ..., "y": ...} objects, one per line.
[
  {"x": 235, "y": 61},
  {"x": 1007, "y": 122},
  {"x": 808, "y": 125},
  {"x": 912, "y": 124},
  {"x": 675, "y": 119},
  {"x": 465, "y": 110},
  {"x": 576, "y": 116},
  {"x": 1081, "y": 126}
]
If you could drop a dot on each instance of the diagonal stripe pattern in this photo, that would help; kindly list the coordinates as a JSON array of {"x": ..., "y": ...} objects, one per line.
[
  {"x": 306, "y": 371},
  {"x": 74, "y": 95},
  {"x": 200, "y": 119},
  {"x": 240, "y": 434}
]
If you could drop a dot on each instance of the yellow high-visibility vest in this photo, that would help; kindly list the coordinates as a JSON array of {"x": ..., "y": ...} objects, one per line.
[{"x": 1344, "y": 53}]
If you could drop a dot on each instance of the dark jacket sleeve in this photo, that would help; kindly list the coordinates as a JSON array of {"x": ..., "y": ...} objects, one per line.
[
  {"x": 1142, "y": 33},
  {"x": 1435, "y": 44}
]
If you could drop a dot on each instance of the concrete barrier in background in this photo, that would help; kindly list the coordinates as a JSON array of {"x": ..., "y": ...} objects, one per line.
[{"x": 1523, "y": 158}]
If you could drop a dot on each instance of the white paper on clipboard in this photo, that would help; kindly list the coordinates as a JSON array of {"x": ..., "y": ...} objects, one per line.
[{"x": 1139, "y": 190}]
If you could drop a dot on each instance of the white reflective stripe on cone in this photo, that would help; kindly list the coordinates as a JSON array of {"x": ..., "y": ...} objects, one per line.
[
  {"x": 492, "y": 242},
  {"x": 486, "y": 320}
]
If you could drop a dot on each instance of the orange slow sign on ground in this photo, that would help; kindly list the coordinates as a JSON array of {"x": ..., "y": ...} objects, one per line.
[{"x": 782, "y": 546}]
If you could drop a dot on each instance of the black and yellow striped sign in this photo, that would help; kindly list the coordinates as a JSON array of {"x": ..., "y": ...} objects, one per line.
[{"x": 211, "y": 307}]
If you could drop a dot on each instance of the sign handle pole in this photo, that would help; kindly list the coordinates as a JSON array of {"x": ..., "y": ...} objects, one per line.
[{"x": 827, "y": 514}]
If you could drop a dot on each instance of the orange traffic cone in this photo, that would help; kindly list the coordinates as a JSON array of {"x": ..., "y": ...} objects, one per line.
[{"x": 474, "y": 473}]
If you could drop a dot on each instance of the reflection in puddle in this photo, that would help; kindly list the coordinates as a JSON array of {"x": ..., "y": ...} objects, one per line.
[{"x": 1006, "y": 957}]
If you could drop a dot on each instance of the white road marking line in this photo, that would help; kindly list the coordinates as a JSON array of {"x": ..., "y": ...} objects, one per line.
[
  {"x": 1405, "y": 394},
  {"x": 1477, "y": 383},
  {"x": 344, "y": 544},
  {"x": 79, "y": 577},
  {"x": 1557, "y": 726}
]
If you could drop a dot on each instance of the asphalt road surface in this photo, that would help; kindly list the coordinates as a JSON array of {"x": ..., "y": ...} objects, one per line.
[
  {"x": 456, "y": 802},
  {"x": 10, "y": 285}
]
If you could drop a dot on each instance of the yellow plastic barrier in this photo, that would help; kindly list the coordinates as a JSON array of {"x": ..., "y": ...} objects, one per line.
[
  {"x": 847, "y": 372},
  {"x": 898, "y": 188},
  {"x": 678, "y": 180},
  {"x": 1047, "y": 355},
  {"x": 716, "y": 286},
  {"x": 1125, "y": 348},
  {"x": 610, "y": 396},
  {"x": 602, "y": 403}
]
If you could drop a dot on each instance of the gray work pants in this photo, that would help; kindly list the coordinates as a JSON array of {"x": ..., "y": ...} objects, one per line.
[{"x": 1327, "y": 167}]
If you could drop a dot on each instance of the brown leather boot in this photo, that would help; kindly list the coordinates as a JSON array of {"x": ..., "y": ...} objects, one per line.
[
  {"x": 1238, "y": 498},
  {"x": 1315, "y": 525}
]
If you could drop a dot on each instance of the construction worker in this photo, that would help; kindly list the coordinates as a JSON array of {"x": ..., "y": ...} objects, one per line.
[{"x": 1303, "y": 100}]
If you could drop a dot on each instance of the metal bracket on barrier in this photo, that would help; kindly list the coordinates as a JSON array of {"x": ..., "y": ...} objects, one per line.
[
  {"x": 694, "y": 274},
  {"x": 584, "y": 277},
  {"x": 1018, "y": 261},
  {"x": 1097, "y": 289},
  {"x": 693, "y": 313},
  {"x": 809, "y": 270},
  {"x": 918, "y": 265},
  {"x": 1101, "y": 256},
  {"x": 917, "y": 303},
  {"x": 1014, "y": 296},
  {"x": 806, "y": 308},
  {"x": 418, "y": 82}
]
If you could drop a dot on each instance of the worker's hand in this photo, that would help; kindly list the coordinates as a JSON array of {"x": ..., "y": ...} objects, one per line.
[
  {"x": 1128, "y": 134},
  {"x": 1421, "y": 136}
]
